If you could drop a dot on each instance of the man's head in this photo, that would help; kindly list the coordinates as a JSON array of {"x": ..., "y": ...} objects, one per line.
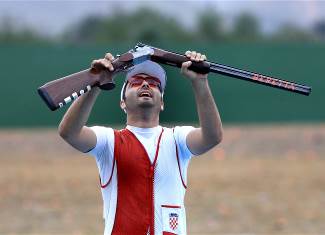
[{"x": 144, "y": 87}]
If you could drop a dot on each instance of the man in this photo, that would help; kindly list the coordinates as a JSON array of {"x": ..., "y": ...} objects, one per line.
[{"x": 143, "y": 167}]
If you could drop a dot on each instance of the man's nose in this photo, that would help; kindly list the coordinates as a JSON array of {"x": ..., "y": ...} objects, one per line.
[{"x": 145, "y": 83}]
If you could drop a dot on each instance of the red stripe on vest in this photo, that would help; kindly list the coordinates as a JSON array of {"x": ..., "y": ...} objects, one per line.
[
  {"x": 170, "y": 206},
  {"x": 135, "y": 185},
  {"x": 110, "y": 178},
  {"x": 179, "y": 166}
]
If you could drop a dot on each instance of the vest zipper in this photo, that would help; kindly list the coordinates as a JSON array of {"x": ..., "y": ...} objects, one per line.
[
  {"x": 152, "y": 174},
  {"x": 152, "y": 170}
]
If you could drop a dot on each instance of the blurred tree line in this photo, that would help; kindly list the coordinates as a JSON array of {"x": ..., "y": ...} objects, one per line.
[
  {"x": 10, "y": 32},
  {"x": 150, "y": 26}
]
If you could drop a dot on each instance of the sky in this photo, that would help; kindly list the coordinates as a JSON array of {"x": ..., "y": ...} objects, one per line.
[{"x": 52, "y": 17}]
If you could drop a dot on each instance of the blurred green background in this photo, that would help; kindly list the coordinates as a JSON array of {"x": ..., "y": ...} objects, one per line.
[
  {"x": 267, "y": 175},
  {"x": 29, "y": 59}
]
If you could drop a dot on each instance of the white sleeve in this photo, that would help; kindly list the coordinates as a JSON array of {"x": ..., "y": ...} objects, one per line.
[
  {"x": 180, "y": 134},
  {"x": 104, "y": 144},
  {"x": 103, "y": 151}
]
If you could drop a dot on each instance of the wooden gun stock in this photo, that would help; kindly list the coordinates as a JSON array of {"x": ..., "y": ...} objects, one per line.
[{"x": 59, "y": 92}]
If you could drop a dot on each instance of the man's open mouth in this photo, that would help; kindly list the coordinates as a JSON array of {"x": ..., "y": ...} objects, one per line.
[{"x": 145, "y": 94}]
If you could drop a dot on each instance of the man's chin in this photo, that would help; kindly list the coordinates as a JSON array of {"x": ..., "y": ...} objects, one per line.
[
  {"x": 146, "y": 104},
  {"x": 146, "y": 101}
]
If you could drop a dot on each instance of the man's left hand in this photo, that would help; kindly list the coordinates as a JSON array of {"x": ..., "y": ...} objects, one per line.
[{"x": 191, "y": 75}]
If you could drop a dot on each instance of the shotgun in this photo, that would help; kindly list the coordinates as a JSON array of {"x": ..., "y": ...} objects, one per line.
[{"x": 59, "y": 92}]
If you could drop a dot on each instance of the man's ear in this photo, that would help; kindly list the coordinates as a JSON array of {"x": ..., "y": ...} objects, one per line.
[
  {"x": 162, "y": 106},
  {"x": 123, "y": 106}
]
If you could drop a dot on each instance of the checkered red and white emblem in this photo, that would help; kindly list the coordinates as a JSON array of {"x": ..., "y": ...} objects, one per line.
[{"x": 173, "y": 221}]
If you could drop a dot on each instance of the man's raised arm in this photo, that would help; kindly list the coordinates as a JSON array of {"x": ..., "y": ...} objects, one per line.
[
  {"x": 209, "y": 134},
  {"x": 73, "y": 127}
]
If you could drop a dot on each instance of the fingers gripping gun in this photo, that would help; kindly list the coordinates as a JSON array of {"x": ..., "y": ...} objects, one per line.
[{"x": 59, "y": 92}]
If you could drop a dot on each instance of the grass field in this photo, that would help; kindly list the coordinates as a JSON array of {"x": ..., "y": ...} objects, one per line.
[{"x": 260, "y": 180}]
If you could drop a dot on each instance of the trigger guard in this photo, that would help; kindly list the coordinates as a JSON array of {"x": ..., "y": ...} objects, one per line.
[{"x": 107, "y": 86}]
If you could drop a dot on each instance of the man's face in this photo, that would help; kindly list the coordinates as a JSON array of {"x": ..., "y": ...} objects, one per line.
[{"x": 143, "y": 91}]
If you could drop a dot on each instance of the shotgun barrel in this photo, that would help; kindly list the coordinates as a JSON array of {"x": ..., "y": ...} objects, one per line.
[{"x": 176, "y": 60}]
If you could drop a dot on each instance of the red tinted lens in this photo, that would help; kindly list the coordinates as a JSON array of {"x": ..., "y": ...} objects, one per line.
[{"x": 137, "y": 81}]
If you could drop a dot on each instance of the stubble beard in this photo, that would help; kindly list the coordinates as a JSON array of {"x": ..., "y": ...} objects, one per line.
[{"x": 148, "y": 107}]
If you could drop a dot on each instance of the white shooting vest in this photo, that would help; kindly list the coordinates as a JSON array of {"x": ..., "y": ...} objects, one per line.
[{"x": 169, "y": 189}]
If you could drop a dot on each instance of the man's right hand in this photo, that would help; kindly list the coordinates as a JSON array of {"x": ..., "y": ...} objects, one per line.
[{"x": 104, "y": 63}]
